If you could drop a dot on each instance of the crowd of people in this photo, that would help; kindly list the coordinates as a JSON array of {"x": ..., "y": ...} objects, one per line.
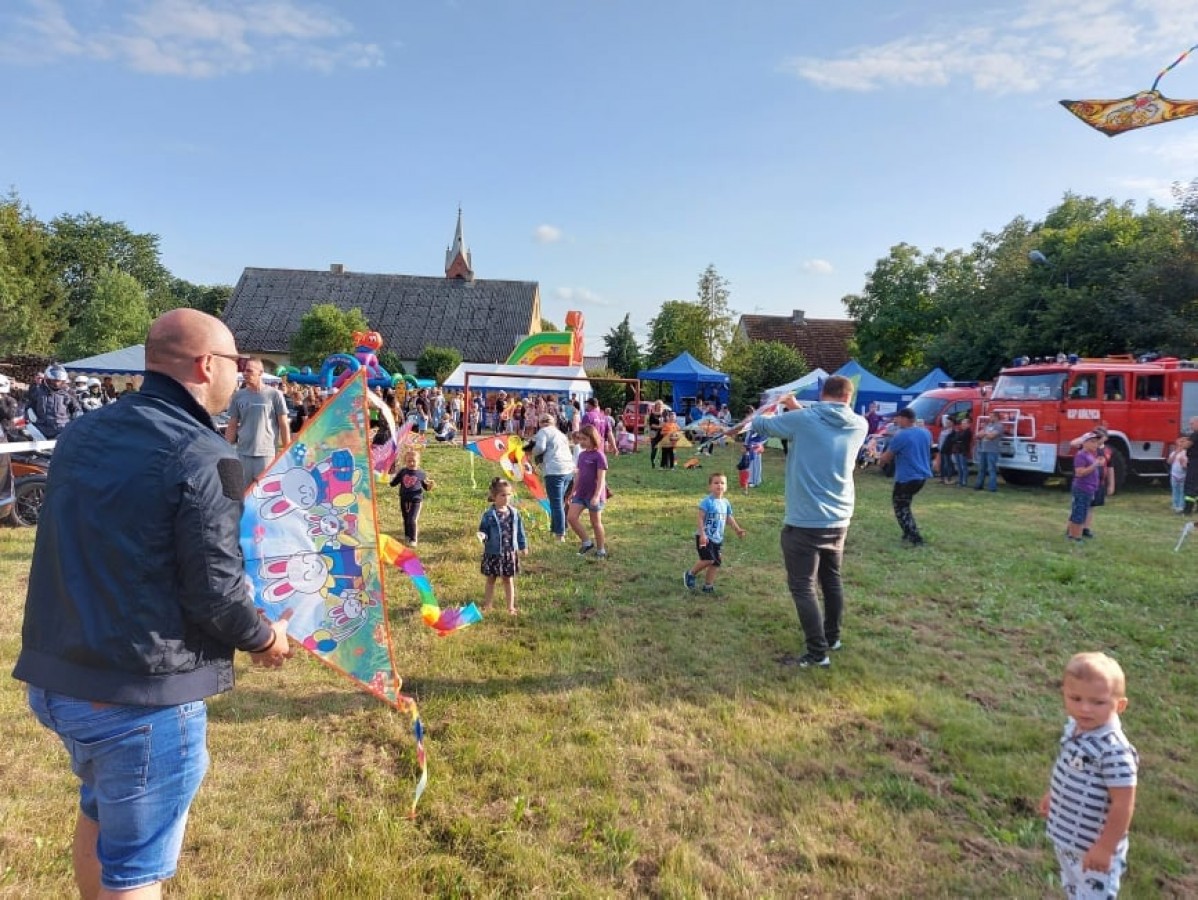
[
  {"x": 52, "y": 400},
  {"x": 122, "y": 643}
]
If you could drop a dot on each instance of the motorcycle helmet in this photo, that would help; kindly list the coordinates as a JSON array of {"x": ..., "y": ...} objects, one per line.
[
  {"x": 5, "y": 384},
  {"x": 81, "y": 381},
  {"x": 56, "y": 373},
  {"x": 93, "y": 382}
]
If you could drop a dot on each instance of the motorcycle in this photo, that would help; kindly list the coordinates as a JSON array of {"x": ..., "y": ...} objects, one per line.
[{"x": 29, "y": 471}]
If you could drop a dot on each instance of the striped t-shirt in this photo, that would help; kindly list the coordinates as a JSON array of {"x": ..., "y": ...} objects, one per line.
[{"x": 1089, "y": 764}]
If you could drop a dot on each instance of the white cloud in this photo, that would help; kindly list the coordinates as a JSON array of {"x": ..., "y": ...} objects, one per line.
[
  {"x": 817, "y": 267},
  {"x": 578, "y": 295},
  {"x": 1157, "y": 189},
  {"x": 193, "y": 38},
  {"x": 1020, "y": 49},
  {"x": 547, "y": 234}
]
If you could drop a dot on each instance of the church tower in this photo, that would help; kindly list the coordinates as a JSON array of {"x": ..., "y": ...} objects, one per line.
[{"x": 457, "y": 256}]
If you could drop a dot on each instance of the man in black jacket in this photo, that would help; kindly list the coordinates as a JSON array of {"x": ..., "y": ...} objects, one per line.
[{"x": 137, "y": 601}]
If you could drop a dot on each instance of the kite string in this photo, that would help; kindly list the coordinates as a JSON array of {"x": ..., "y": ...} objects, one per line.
[{"x": 1165, "y": 70}]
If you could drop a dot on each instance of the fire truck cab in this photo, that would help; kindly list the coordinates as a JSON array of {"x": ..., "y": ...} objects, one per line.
[
  {"x": 1044, "y": 406},
  {"x": 953, "y": 400}
]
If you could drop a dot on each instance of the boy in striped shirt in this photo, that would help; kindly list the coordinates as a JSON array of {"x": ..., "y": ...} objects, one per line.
[{"x": 1092, "y": 794}]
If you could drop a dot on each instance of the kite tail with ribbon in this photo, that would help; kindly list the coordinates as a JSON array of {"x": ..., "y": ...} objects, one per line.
[
  {"x": 1185, "y": 533},
  {"x": 408, "y": 705},
  {"x": 1171, "y": 65},
  {"x": 442, "y": 621}
]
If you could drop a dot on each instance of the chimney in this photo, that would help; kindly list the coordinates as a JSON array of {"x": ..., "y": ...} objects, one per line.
[
  {"x": 797, "y": 316},
  {"x": 337, "y": 268}
]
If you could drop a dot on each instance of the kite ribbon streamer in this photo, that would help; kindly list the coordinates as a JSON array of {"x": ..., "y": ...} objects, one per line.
[
  {"x": 384, "y": 455},
  {"x": 1185, "y": 533},
  {"x": 442, "y": 621},
  {"x": 1171, "y": 65}
]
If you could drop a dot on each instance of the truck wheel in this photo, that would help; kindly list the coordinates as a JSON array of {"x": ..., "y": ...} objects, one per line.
[
  {"x": 28, "y": 494},
  {"x": 1022, "y": 478}
]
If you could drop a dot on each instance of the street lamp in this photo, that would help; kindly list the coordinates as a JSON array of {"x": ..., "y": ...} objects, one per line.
[{"x": 1041, "y": 260}]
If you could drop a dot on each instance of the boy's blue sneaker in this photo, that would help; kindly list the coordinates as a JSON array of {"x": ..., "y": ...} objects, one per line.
[
  {"x": 709, "y": 589},
  {"x": 586, "y": 548},
  {"x": 688, "y": 578}
]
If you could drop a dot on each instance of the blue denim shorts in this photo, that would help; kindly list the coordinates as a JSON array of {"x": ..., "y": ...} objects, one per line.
[
  {"x": 1080, "y": 508},
  {"x": 139, "y": 768},
  {"x": 587, "y": 504}
]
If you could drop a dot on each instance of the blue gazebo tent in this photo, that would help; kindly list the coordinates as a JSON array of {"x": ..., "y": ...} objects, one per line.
[
  {"x": 870, "y": 389},
  {"x": 689, "y": 378},
  {"x": 126, "y": 361},
  {"x": 929, "y": 381}
]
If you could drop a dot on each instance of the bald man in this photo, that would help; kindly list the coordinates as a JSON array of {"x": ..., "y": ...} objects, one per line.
[
  {"x": 136, "y": 603},
  {"x": 258, "y": 422}
]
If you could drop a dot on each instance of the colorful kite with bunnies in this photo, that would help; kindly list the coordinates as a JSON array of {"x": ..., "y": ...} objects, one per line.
[{"x": 315, "y": 557}]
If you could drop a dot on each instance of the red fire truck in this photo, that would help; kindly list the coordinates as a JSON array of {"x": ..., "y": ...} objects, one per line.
[
  {"x": 952, "y": 399},
  {"x": 1044, "y": 406}
]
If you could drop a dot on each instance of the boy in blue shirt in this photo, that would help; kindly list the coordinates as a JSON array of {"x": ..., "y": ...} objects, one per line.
[
  {"x": 911, "y": 449},
  {"x": 714, "y": 512}
]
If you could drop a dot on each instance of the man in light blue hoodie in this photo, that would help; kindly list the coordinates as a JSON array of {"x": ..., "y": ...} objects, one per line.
[{"x": 824, "y": 441}]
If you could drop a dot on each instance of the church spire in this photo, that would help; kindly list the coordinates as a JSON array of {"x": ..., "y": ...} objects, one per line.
[{"x": 457, "y": 256}]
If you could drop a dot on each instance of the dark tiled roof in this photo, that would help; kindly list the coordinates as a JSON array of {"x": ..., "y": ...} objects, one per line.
[
  {"x": 482, "y": 319},
  {"x": 595, "y": 363},
  {"x": 824, "y": 343}
]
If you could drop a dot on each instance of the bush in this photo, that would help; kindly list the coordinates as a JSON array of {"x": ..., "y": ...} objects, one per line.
[{"x": 437, "y": 363}]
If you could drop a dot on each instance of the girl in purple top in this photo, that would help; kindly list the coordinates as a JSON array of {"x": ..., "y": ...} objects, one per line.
[
  {"x": 1085, "y": 482},
  {"x": 590, "y": 493}
]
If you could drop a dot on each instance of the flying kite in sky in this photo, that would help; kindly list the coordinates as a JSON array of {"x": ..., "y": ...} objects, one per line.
[
  {"x": 1140, "y": 110},
  {"x": 315, "y": 557}
]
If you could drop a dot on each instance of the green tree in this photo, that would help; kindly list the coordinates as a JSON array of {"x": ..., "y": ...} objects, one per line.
[
  {"x": 718, "y": 328},
  {"x": 547, "y": 325},
  {"x": 209, "y": 298},
  {"x": 755, "y": 366},
  {"x": 896, "y": 313},
  {"x": 325, "y": 329},
  {"x": 610, "y": 394},
  {"x": 437, "y": 363},
  {"x": 623, "y": 354},
  {"x": 678, "y": 326},
  {"x": 116, "y": 316},
  {"x": 82, "y": 246},
  {"x": 31, "y": 297},
  {"x": 390, "y": 361}
]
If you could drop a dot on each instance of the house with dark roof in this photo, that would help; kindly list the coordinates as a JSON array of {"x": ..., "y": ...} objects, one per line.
[
  {"x": 483, "y": 319},
  {"x": 824, "y": 343}
]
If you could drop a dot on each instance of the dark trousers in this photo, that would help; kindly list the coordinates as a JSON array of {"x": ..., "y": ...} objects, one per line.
[
  {"x": 409, "y": 508},
  {"x": 811, "y": 554},
  {"x": 901, "y": 498},
  {"x": 667, "y": 457},
  {"x": 653, "y": 451}
]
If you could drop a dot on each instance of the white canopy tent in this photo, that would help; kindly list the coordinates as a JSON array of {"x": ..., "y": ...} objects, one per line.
[
  {"x": 811, "y": 379},
  {"x": 561, "y": 380}
]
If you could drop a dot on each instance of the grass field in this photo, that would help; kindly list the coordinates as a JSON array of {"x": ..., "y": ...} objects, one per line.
[{"x": 625, "y": 738}]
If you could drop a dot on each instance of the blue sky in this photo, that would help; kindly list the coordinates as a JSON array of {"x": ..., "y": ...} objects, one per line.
[{"x": 608, "y": 149}]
